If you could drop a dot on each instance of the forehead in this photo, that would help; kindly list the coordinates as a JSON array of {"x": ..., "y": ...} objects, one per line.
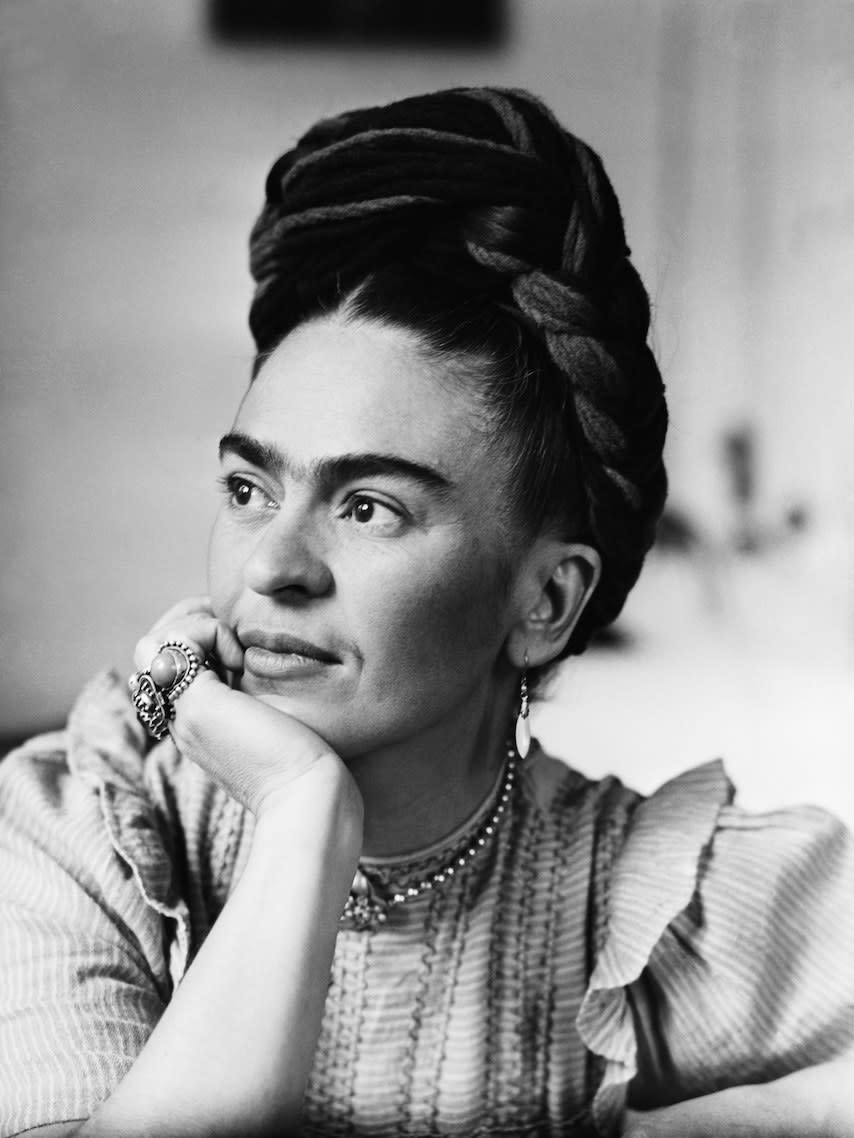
[{"x": 342, "y": 387}]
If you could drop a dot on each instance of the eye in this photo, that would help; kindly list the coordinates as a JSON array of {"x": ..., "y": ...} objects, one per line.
[
  {"x": 242, "y": 493},
  {"x": 371, "y": 513}
]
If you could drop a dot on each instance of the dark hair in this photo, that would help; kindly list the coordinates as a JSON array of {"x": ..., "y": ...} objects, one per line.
[{"x": 472, "y": 218}]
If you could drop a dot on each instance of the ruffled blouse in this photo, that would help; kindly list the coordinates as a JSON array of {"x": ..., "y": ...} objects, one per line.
[{"x": 606, "y": 948}]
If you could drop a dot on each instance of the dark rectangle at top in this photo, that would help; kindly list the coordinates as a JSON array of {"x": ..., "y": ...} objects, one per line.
[{"x": 432, "y": 23}]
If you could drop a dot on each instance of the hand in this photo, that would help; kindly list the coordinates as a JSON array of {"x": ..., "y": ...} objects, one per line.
[
  {"x": 193, "y": 621},
  {"x": 260, "y": 755}
]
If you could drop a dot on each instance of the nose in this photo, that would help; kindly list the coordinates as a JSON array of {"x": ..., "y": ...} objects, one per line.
[{"x": 288, "y": 559}]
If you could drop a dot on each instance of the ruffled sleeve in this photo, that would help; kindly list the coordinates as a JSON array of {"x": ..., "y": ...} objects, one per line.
[
  {"x": 93, "y": 932},
  {"x": 729, "y": 957}
]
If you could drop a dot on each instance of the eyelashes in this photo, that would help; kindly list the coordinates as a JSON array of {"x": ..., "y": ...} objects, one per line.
[
  {"x": 239, "y": 492},
  {"x": 368, "y": 511}
]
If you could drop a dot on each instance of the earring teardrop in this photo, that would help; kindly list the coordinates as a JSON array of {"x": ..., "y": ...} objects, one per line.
[{"x": 523, "y": 722}]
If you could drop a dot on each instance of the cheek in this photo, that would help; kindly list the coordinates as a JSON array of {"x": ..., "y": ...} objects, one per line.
[
  {"x": 224, "y": 569},
  {"x": 448, "y": 620}
]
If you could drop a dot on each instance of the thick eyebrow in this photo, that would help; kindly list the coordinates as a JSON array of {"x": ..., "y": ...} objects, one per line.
[
  {"x": 260, "y": 454},
  {"x": 337, "y": 469}
]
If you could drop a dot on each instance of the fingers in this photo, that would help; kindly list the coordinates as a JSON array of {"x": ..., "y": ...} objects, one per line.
[
  {"x": 173, "y": 625},
  {"x": 197, "y": 631},
  {"x": 264, "y": 758},
  {"x": 227, "y": 648},
  {"x": 192, "y": 621}
]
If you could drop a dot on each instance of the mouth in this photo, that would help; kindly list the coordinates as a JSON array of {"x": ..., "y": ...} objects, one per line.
[{"x": 278, "y": 655}]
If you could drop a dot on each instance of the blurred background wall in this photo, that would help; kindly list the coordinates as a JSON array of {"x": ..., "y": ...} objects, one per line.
[{"x": 133, "y": 148}]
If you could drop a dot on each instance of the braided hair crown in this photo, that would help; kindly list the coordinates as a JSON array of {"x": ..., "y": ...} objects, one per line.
[{"x": 485, "y": 198}]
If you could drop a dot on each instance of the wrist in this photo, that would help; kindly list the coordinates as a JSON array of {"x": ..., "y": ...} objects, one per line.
[{"x": 320, "y": 815}]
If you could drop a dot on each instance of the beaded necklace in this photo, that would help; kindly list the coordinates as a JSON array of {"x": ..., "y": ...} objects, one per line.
[{"x": 369, "y": 901}]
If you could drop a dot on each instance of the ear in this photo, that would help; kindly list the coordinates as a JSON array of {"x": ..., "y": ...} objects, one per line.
[{"x": 554, "y": 586}]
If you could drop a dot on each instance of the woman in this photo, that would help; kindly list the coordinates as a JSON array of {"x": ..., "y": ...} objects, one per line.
[{"x": 337, "y": 893}]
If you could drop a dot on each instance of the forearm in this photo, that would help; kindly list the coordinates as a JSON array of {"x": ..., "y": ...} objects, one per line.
[
  {"x": 233, "y": 1050},
  {"x": 817, "y": 1101}
]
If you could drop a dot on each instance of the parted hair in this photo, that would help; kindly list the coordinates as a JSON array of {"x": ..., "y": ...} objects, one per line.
[{"x": 474, "y": 219}]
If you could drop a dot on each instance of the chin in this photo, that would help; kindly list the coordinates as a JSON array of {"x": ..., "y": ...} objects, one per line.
[
  {"x": 345, "y": 724},
  {"x": 312, "y": 713}
]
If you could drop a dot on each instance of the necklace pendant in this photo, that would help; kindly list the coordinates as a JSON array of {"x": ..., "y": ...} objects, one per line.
[
  {"x": 364, "y": 908},
  {"x": 367, "y": 904}
]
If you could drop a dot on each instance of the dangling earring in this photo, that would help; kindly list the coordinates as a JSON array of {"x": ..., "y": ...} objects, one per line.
[{"x": 523, "y": 726}]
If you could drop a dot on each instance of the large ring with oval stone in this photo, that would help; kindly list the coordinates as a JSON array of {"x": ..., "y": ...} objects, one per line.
[{"x": 155, "y": 690}]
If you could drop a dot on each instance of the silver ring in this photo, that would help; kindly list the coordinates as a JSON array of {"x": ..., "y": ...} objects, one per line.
[{"x": 173, "y": 668}]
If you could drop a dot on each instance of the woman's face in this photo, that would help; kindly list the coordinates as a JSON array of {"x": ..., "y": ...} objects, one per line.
[{"x": 359, "y": 552}]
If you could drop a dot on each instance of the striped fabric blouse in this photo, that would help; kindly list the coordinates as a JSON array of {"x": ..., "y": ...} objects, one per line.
[{"x": 606, "y": 948}]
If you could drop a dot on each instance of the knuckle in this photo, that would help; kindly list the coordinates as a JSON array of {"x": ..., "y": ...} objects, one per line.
[{"x": 144, "y": 652}]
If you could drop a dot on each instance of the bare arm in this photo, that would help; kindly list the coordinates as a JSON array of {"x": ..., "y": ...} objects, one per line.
[
  {"x": 817, "y": 1102},
  {"x": 233, "y": 1049},
  {"x": 232, "y": 1052}
]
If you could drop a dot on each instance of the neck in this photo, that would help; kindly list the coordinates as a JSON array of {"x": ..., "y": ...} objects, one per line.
[{"x": 420, "y": 790}]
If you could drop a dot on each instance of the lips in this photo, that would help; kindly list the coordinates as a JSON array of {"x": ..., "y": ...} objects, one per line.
[
  {"x": 279, "y": 654},
  {"x": 284, "y": 643}
]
